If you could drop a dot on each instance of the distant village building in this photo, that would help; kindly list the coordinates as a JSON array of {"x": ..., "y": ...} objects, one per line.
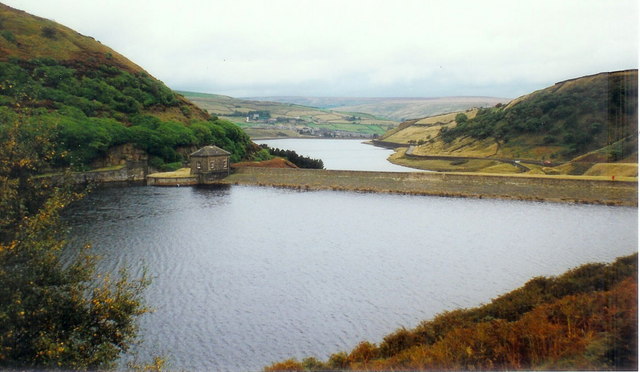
[{"x": 209, "y": 163}]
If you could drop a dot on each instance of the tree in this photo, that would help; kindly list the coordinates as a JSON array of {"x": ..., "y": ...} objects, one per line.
[{"x": 52, "y": 315}]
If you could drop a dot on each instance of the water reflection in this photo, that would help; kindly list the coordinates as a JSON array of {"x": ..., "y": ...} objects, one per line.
[{"x": 341, "y": 154}]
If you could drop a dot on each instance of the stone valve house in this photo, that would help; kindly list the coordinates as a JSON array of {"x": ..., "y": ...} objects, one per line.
[{"x": 209, "y": 164}]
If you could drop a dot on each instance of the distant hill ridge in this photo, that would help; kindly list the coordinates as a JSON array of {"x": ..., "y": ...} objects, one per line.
[
  {"x": 599, "y": 73},
  {"x": 395, "y": 108}
]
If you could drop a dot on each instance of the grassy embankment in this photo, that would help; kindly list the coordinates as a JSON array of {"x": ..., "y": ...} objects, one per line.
[{"x": 585, "y": 319}]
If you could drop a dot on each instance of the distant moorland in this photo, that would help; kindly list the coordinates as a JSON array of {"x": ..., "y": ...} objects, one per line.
[{"x": 399, "y": 109}]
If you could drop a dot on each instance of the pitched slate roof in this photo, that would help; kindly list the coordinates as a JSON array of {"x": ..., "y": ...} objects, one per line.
[{"x": 211, "y": 151}]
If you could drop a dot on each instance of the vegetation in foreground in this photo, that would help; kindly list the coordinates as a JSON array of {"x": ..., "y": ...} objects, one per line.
[
  {"x": 53, "y": 314},
  {"x": 584, "y": 319},
  {"x": 65, "y": 101}
]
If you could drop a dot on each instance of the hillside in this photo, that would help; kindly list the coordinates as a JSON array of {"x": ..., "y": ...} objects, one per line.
[
  {"x": 585, "y": 319},
  {"x": 87, "y": 101},
  {"x": 572, "y": 125},
  {"x": 272, "y": 119},
  {"x": 26, "y": 36},
  {"x": 393, "y": 108}
]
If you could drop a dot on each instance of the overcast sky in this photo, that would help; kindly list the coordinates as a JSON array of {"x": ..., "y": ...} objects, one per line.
[{"x": 359, "y": 48}]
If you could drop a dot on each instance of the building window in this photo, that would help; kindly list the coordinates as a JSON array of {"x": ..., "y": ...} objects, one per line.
[
  {"x": 212, "y": 164},
  {"x": 224, "y": 164},
  {"x": 198, "y": 165}
]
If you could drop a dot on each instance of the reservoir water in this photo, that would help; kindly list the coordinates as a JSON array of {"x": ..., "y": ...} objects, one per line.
[
  {"x": 341, "y": 154},
  {"x": 244, "y": 276}
]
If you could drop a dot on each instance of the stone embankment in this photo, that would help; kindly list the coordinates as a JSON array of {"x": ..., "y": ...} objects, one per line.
[
  {"x": 520, "y": 187},
  {"x": 121, "y": 174}
]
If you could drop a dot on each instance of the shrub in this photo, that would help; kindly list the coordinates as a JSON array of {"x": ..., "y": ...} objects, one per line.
[
  {"x": 8, "y": 35},
  {"x": 364, "y": 352},
  {"x": 338, "y": 361},
  {"x": 52, "y": 315},
  {"x": 49, "y": 32},
  {"x": 549, "y": 139}
]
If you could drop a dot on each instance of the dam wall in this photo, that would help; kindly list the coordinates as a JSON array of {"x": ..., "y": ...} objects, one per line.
[{"x": 521, "y": 187}]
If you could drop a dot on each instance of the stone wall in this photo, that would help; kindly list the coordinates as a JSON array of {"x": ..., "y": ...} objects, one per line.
[
  {"x": 120, "y": 174},
  {"x": 171, "y": 181},
  {"x": 557, "y": 189},
  {"x": 122, "y": 155}
]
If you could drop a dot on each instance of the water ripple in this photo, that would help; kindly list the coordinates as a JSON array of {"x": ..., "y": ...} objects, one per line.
[{"x": 246, "y": 276}]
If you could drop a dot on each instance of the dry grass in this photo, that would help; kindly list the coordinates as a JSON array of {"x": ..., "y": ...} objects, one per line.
[
  {"x": 451, "y": 166},
  {"x": 613, "y": 169},
  {"x": 272, "y": 163},
  {"x": 447, "y": 118},
  {"x": 63, "y": 44},
  {"x": 459, "y": 147},
  {"x": 427, "y": 128},
  {"x": 180, "y": 173},
  {"x": 414, "y": 133},
  {"x": 570, "y": 170}
]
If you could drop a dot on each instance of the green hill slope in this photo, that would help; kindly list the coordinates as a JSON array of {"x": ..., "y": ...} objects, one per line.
[
  {"x": 87, "y": 99},
  {"x": 579, "y": 122},
  {"x": 266, "y": 118}
]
